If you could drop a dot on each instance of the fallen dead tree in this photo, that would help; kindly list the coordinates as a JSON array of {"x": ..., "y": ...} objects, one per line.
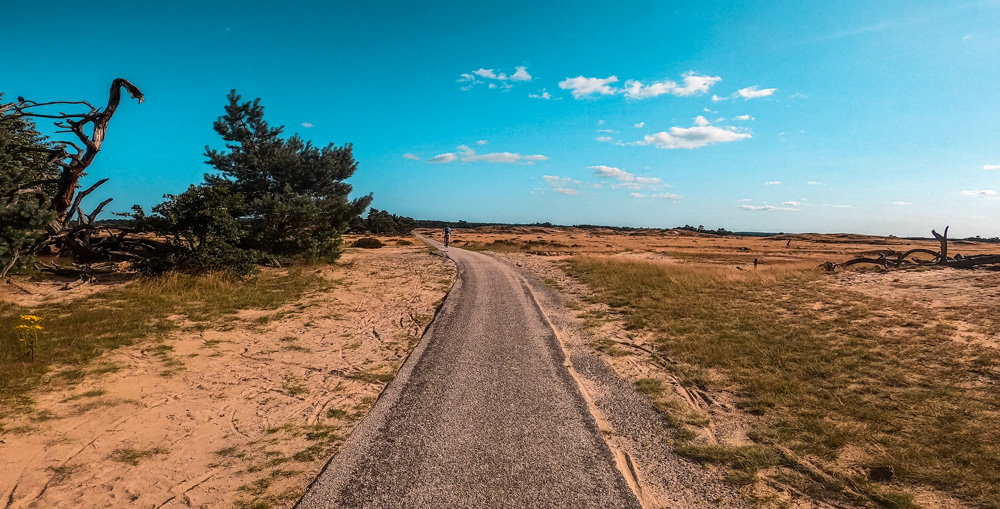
[{"x": 897, "y": 259}]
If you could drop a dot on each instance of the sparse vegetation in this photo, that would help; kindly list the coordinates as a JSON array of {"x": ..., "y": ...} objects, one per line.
[
  {"x": 134, "y": 456},
  {"x": 516, "y": 246},
  {"x": 336, "y": 413},
  {"x": 372, "y": 377},
  {"x": 295, "y": 386},
  {"x": 89, "y": 394},
  {"x": 873, "y": 376},
  {"x": 78, "y": 331}
]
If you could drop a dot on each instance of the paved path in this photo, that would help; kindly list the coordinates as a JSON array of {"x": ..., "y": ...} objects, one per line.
[{"x": 483, "y": 414}]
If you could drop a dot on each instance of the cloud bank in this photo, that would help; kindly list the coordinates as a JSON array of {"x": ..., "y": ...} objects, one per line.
[{"x": 692, "y": 84}]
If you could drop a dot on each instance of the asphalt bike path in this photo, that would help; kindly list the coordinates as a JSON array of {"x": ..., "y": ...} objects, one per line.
[{"x": 484, "y": 413}]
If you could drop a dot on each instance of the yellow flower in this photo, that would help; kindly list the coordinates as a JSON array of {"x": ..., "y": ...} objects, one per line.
[
  {"x": 21, "y": 327},
  {"x": 31, "y": 318},
  {"x": 36, "y": 327}
]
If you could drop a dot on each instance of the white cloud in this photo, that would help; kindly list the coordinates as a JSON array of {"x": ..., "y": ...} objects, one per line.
[
  {"x": 470, "y": 156},
  {"x": 494, "y": 157},
  {"x": 692, "y": 137},
  {"x": 562, "y": 185},
  {"x": 767, "y": 207},
  {"x": 791, "y": 203},
  {"x": 837, "y": 206},
  {"x": 485, "y": 73},
  {"x": 753, "y": 93},
  {"x": 693, "y": 84},
  {"x": 611, "y": 131},
  {"x": 743, "y": 117},
  {"x": 639, "y": 125},
  {"x": 716, "y": 98},
  {"x": 626, "y": 180},
  {"x": 637, "y": 195},
  {"x": 813, "y": 183},
  {"x": 583, "y": 87},
  {"x": 636, "y": 90},
  {"x": 602, "y": 171},
  {"x": 603, "y": 138},
  {"x": 982, "y": 192},
  {"x": 559, "y": 181},
  {"x": 520, "y": 74},
  {"x": 481, "y": 142},
  {"x": 798, "y": 96},
  {"x": 412, "y": 157},
  {"x": 991, "y": 166},
  {"x": 667, "y": 196},
  {"x": 442, "y": 158},
  {"x": 495, "y": 79},
  {"x": 544, "y": 95},
  {"x": 745, "y": 200},
  {"x": 307, "y": 125},
  {"x": 700, "y": 120},
  {"x": 773, "y": 183},
  {"x": 902, "y": 203}
]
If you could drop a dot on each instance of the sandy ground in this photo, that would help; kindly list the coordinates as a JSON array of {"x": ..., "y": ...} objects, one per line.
[
  {"x": 679, "y": 246},
  {"x": 256, "y": 409},
  {"x": 961, "y": 298},
  {"x": 251, "y": 414}
]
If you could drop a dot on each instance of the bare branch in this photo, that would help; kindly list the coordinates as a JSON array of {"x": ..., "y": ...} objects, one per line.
[
  {"x": 33, "y": 104},
  {"x": 93, "y": 215},
  {"x": 10, "y": 265},
  {"x": 79, "y": 197},
  {"x": 943, "y": 239}
]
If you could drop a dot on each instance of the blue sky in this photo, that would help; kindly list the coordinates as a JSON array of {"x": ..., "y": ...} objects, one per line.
[{"x": 869, "y": 117}]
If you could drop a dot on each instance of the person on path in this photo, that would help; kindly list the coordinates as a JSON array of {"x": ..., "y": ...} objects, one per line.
[{"x": 447, "y": 235}]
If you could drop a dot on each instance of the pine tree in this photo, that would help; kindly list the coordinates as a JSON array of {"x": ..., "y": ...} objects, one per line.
[
  {"x": 296, "y": 198},
  {"x": 24, "y": 215}
]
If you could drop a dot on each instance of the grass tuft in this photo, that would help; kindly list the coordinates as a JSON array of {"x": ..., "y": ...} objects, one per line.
[{"x": 134, "y": 456}]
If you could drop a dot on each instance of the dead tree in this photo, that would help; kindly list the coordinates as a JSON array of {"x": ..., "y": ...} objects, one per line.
[
  {"x": 72, "y": 158},
  {"x": 896, "y": 259}
]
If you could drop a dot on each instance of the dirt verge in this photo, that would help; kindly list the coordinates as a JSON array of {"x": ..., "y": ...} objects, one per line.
[{"x": 244, "y": 412}]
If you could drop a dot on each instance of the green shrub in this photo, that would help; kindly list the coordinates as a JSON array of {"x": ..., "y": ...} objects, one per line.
[
  {"x": 368, "y": 243},
  {"x": 23, "y": 165}
]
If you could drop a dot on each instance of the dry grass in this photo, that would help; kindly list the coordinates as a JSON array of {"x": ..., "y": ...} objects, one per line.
[
  {"x": 134, "y": 456},
  {"x": 78, "y": 331},
  {"x": 818, "y": 367}
]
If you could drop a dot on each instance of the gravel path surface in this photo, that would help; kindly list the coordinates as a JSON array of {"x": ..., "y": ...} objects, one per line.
[{"x": 484, "y": 413}]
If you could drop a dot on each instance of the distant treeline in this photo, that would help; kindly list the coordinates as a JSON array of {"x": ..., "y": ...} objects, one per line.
[
  {"x": 380, "y": 221},
  {"x": 430, "y": 223}
]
